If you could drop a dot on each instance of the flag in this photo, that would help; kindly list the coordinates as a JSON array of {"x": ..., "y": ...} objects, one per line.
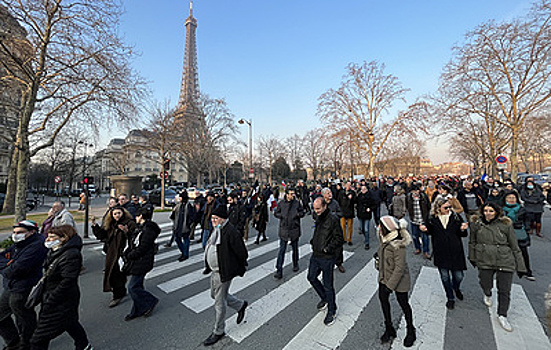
[
  {"x": 484, "y": 177},
  {"x": 283, "y": 183}
]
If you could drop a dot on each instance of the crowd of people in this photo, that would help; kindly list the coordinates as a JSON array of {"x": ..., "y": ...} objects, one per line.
[{"x": 499, "y": 220}]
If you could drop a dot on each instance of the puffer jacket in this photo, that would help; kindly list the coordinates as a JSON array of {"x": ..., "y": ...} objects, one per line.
[
  {"x": 289, "y": 214},
  {"x": 61, "y": 291},
  {"x": 494, "y": 246},
  {"x": 533, "y": 199},
  {"x": 393, "y": 267}
]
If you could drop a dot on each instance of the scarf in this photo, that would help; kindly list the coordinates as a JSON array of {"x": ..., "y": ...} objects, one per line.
[
  {"x": 444, "y": 219},
  {"x": 511, "y": 210}
]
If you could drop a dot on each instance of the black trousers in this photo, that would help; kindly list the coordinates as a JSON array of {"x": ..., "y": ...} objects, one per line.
[
  {"x": 14, "y": 303},
  {"x": 402, "y": 297}
]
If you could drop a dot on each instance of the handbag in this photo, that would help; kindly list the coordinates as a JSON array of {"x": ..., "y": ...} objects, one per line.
[{"x": 35, "y": 296}]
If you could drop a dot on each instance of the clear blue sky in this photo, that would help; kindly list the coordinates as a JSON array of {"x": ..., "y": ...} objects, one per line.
[{"x": 271, "y": 60}]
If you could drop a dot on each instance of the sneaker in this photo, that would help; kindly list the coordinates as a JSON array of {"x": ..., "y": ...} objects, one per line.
[
  {"x": 531, "y": 278},
  {"x": 89, "y": 347},
  {"x": 488, "y": 300},
  {"x": 367, "y": 247},
  {"x": 278, "y": 275},
  {"x": 322, "y": 305},
  {"x": 330, "y": 318},
  {"x": 458, "y": 294},
  {"x": 450, "y": 304},
  {"x": 114, "y": 302},
  {"x": 504, "y": 323}
]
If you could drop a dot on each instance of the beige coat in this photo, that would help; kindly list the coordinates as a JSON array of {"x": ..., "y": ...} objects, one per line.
[{"x": 393, "y": 268}]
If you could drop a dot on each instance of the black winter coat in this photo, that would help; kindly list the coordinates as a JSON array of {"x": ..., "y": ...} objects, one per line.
[
  {"x": 327, "y": 239},
  {"x": 289, "y": 214},
  {"x": 140, "y": 253},
  {"x": 232, "y": 254},
  {"x": 237, "y": 216},
  {"x": 21, "y": 264},
  {"x": 364, "y": 202},
  {"x": 61, "y": 297},
  {"x": 446, "y": 243},
  {"x": 347, "y": 200}
]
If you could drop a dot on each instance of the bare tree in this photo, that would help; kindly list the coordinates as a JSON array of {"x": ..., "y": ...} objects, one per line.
[
  {"x": 315, "y": 150},
  {"x": 203, "y": 135},
  {"x": 359, "y": 106},
  {"x": 501, "y": 74},
  {"x": 77, "y": 67},
  {"x": 270, "y": 148}
]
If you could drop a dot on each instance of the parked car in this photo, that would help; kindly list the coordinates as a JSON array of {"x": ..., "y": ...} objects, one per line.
[
  {"x": 538, "y": 179},
  {"x": 193, "y": 192},
  {"x": 170, "y": 197}
]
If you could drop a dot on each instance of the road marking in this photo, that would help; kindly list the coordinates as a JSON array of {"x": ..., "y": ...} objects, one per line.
[
  {"x": 176, "y": 251},
  {"x": 202, "y": 301},
  {"x": 428, "y": 302},
  {"x": 527, "y": 331},
  {"x": 265, "y": 308},
  {"x": 175, "y": 265},
  {"x": 351, "y": 300}
]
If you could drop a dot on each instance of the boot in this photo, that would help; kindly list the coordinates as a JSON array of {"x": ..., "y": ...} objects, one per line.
[
  {"x": 264, "y": 238},
  {"x": 538, "y": 230},
  {"x": 531, "y": 228},
  {"x": 389, "y": 334},
  {"x": 410, "y": 337}
]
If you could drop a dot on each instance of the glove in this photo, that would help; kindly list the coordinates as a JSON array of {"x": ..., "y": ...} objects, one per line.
[
  {"x": 521, "y": 274},
  {"x": 473, "y": 263}
]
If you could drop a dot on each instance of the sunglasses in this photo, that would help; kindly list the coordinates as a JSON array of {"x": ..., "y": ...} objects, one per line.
[{"x": 446, "y": 207}]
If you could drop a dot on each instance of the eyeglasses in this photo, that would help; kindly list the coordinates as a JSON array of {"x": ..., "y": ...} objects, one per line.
[{"x": 446, "y": 207}]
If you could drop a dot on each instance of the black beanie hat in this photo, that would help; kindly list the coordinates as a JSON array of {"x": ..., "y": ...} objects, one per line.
[{"x": 220, "y": 211}]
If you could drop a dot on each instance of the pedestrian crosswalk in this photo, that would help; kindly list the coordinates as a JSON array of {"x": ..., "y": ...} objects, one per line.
[{"x": 358, "y": 291}]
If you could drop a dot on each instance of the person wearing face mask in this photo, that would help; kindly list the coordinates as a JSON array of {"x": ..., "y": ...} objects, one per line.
[
  {"x": 516, "y": 212},
  {"x": 114, "y": 231},
  {"x": 21, "y": 269},
  {"x": 61, "y": 298},
  {"x": 446, "y": 229},
  {"x": 494, "y": 250},
  {"x": 534, "y": 200}
]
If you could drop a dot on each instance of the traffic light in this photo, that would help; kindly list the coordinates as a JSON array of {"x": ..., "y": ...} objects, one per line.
[
  {"x": 88, "y": 180},
  {"x": 166, "y": 165}
]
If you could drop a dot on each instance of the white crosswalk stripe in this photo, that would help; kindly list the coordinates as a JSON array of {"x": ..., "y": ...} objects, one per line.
[
  {"x": 427, "y": 299},
  {"x": 202, "y": 301},
  {"x": 264, "y": 309}
]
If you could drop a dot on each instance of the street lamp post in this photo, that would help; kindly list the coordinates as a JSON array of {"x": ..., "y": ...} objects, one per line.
[
  {"x": 250, "y": 123},
  {"x": 85, "y": 184}
]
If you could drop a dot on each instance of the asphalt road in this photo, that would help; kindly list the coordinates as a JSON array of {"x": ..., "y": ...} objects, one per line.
[{"x": 282, "y": 314}]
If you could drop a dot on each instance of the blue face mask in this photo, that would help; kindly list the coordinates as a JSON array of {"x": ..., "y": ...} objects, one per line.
[{"x": 530, "y": 187}]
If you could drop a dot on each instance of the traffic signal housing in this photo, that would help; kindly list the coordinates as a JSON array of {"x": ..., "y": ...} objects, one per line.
[{"x": 88, "y": 180}]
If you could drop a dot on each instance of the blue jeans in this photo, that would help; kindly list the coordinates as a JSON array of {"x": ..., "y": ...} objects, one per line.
[
  {"x": 183, "y": 245},
  {"x": 451, "y": 279},
  {"x": 281, "y": 253},
  {"x": 364, "y": 229},
  {"x": 326, "y": 291},
  {"x": 205, "y": 236},
  {"x": 416, "y": 233},
  {"x": 143, "y": 300}
]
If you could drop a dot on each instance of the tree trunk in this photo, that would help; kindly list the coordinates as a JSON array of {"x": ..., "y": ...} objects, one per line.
[
  {"x": 22, "y": 176},
  {"x": 514, "y": 155},
  {"x": 9, "y": 203}
]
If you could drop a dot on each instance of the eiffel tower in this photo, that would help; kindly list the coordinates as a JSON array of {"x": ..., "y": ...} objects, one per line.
[{"x": 189, "y": 91}]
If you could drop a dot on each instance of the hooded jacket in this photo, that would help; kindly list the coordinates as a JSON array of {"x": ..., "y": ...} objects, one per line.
[
  {"x": 493, "y": 245},
  {"x": 393, "y": 267},
  {"x": 61, "y": 291}
]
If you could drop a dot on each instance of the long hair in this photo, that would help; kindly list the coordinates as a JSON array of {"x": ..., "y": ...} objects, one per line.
[
  {"x": 110, "y": 220},
  {"x": 435, "y": 209},
  {"x": 496, "y": 207}
]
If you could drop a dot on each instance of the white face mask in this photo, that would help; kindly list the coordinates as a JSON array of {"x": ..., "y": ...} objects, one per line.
[
  {"x": 52, "y": 244},
  {"x": 18, "y": 237}
]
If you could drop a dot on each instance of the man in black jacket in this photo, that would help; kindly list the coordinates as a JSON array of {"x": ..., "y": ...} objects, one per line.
[
  {"x": 21, "y": 268},
  {"x": 226, "y": 257},
  {"x": 289, "y": 211},
  {"x": 347, "y": 201},
  {"x": 326, "y": 241},
  {"x": 236, "y": 213}
]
